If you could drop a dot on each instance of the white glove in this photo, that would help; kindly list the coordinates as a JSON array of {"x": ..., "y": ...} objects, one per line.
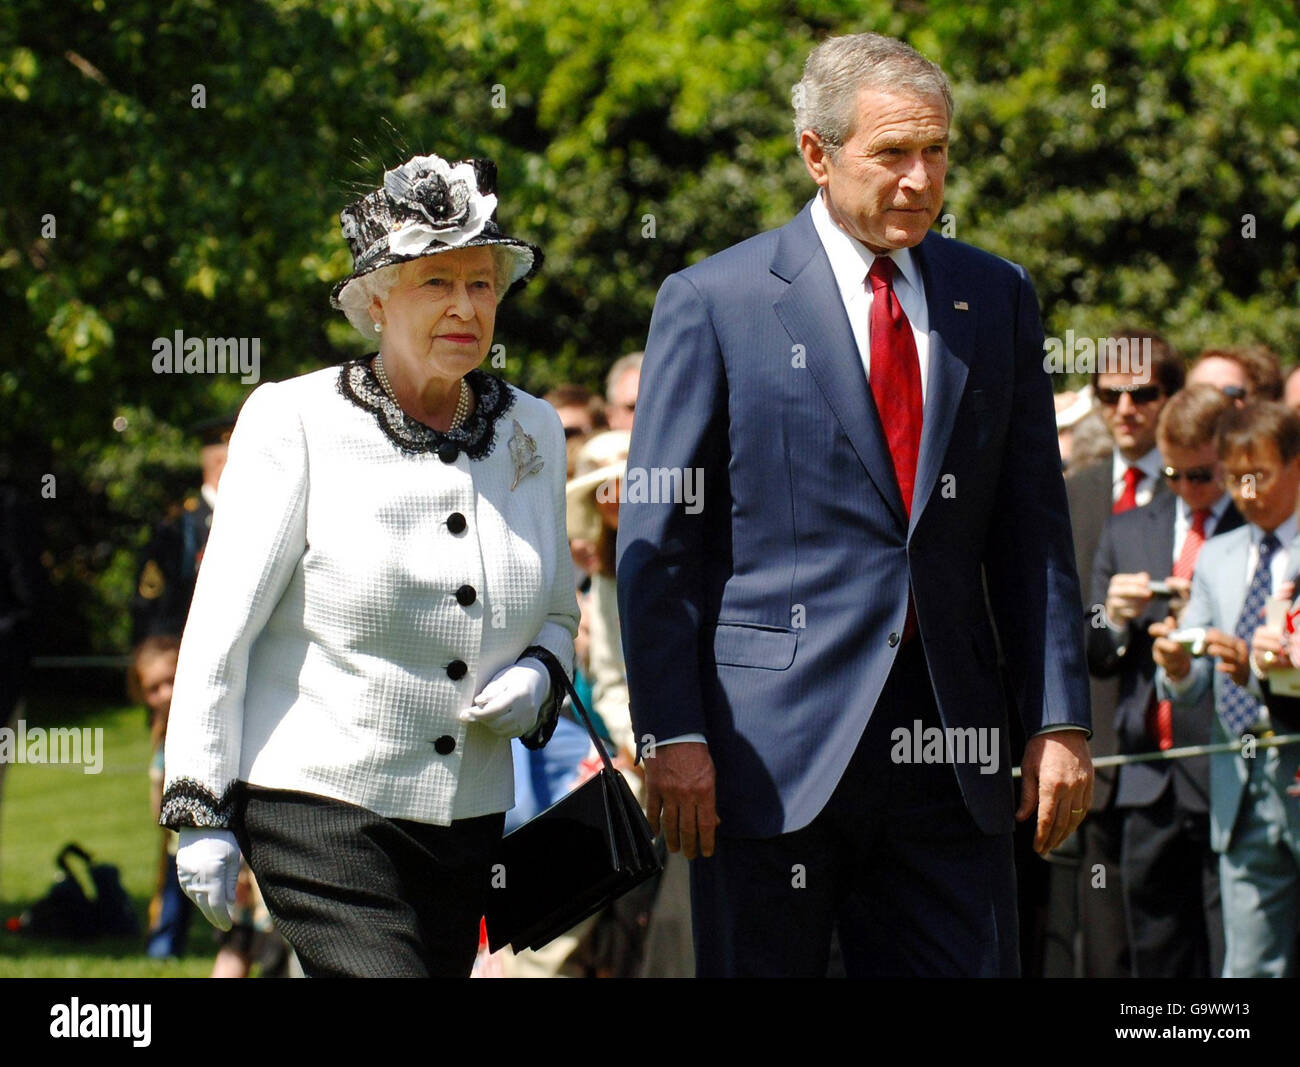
[
  {"x": 207, "y": 865},
  {"x": 511, "y": 702}
]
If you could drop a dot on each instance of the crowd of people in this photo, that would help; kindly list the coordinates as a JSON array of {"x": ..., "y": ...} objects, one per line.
[{"x": 1182, "y": 482}]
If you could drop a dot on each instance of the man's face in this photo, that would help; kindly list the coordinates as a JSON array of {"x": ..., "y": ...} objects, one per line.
[
  {"x": 1262, "y": 486},
  {"x": 885, "y": 185},
  {"x": 1223, "y": 374},
  {"x": 576, "y": 420},
  {"x": 1131, "y": 415},
  {"x": 1197, "y": 462},
  {"x": 620, "y": 405}
]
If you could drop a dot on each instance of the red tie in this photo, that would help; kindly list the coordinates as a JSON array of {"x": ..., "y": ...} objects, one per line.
[
  {"x": 1162, "y": 728},
  {"x": 1192, "y": 544},
  {"x": 1129, "y": 498},
  {"x": 896, "y": 388},
  {"x": 895, "y": 376}
]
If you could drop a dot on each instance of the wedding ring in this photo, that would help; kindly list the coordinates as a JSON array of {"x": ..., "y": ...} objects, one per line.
[{"x": 1076, "y": 811}]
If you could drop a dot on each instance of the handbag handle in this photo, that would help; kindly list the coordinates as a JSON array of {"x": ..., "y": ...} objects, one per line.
[{"x": 557, "y": 672}]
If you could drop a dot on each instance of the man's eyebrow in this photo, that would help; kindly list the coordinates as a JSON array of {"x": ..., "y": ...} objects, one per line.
[{"x": 895, "y": 140}]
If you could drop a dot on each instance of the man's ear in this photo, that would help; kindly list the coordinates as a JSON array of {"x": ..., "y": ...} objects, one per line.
[{"x": 815, "y": 156}]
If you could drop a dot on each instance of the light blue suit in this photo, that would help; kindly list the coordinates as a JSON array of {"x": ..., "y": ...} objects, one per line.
[{"x": 1254, "y": 825}]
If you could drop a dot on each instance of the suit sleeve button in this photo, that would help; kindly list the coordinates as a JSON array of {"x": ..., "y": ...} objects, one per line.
[
  {"x": 456, "y": 670},
  {"x": 465, "y": 596},
  {"x": 894, "y": 639},
  {"x": 456, "y": 522},
  {"x": 445, "y": 745}
]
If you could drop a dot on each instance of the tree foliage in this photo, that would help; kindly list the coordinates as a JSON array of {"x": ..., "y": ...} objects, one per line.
[{"x": 632, "y": 139}]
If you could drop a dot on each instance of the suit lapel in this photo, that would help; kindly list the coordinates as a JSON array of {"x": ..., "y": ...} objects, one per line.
[
  {"x": 1229, "y": 520},
  {"x": 1233, "y": 581},
  {"x": 951, "y": 348},
  {"x": 813, "y": 315},
  {"x": 1161, "y": 516}
]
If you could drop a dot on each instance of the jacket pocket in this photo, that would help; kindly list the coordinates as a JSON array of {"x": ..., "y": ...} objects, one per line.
[{"x": 745, "y": 645}]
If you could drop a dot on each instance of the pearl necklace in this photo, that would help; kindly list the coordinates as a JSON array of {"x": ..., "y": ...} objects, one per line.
[{"x": 462, "y": 401}]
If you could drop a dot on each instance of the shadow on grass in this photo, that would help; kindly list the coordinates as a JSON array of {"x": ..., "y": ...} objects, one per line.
[{"x": 29, "y": 956}]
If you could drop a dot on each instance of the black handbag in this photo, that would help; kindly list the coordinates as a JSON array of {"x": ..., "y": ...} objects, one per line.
[{"x": 582, "y": 853}]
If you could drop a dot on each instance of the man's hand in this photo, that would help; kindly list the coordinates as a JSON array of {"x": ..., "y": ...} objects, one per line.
[
  {"x": 1056, "y": 778},
  {"x": 1127, "y": 597},
  {"x": 1232, "y": 654},
  {"x": 1170, "y": 655},
  {"x": 1269, "y": 650},
  {"x": 679, "y": 780},
  {"x": 1182, "y": 588}
]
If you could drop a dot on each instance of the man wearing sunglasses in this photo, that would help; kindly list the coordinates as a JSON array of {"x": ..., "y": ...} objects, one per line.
[
  {"x": 1131, "y": 401},
  {"x": 1244, "y": 374},
  {"x": 1254, "y": 825},
  {"x": 1169, "y": 872}
]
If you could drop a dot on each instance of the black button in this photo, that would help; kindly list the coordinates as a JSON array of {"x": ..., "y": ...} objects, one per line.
[
  {"x": 456, "y": 669},
  {"x": 465, "y": 596},
  {"x": 448, "y": 452},
  {"x": 456, "y": 522},
  {"x": 894, "y": 639},
  {"x": 445, "y": 745}
]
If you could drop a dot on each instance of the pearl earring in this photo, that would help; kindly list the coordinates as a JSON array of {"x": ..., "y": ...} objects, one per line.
[{"x": 379, "y": 328}]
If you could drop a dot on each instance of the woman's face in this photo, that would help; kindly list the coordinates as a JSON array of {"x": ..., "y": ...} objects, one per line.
[{"x": 441, "y": 312}]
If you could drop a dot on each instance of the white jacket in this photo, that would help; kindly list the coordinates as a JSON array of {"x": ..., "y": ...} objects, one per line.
[{"x": 326, "y": 613}]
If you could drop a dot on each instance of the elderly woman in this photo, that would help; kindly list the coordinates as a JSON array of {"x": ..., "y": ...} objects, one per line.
[{"x": 386, "y": 599}]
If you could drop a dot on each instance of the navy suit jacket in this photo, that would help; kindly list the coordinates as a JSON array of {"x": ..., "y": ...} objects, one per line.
[
  {"x": 769, "y": 618},
  {"x": 1143, "y": 540}
]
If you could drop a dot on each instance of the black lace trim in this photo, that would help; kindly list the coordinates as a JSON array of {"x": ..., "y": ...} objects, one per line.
[
  {"x": 493, "y": 398},
  {"x": 190, "y": 803},
  {"x": 550, "y": 712}
]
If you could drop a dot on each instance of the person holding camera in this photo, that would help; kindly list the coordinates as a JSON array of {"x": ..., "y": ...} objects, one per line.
[
  {"x": 1253, "y": 825},
  {"x": 1142, "y": 575}
]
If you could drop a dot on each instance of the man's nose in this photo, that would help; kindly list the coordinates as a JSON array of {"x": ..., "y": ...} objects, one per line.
[
  {"x": 916, "y": 175},
  {"x": 1125, "y": 405}
]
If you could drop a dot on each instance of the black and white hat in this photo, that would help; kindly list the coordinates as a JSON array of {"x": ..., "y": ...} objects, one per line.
[{"x": 424, "y": 207}]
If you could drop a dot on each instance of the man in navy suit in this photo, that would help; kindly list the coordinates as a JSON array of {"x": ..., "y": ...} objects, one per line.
[{"x": 863, "y": 409}]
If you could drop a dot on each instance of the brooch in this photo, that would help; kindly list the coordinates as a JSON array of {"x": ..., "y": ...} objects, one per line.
[{"x": 523, "y": 451}]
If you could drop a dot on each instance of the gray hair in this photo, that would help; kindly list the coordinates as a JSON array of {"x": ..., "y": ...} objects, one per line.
[
  {"x": 357, "y": 296},
  {"x": 632, "y": 361},
  {"x": 826, "y": 98}
]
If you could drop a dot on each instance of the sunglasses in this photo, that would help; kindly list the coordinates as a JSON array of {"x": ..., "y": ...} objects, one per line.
[
  {"x": 1195, "y": 475},
  {"x": 1140, "y": 394},
  {"x": 1234, "y": 392}
]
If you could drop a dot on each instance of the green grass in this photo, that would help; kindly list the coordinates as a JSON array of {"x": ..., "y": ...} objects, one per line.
[{"x": 44, "y": 806}]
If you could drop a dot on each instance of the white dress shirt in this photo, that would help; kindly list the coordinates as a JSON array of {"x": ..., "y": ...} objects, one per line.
[
  {"x": 850, "y": 262},
  {"x": 329, "y": 648},
  {"x": 1151, "y": 465},
  {"x": 1279, "y": 564},
  {"x": 1183, "y": 523}
]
